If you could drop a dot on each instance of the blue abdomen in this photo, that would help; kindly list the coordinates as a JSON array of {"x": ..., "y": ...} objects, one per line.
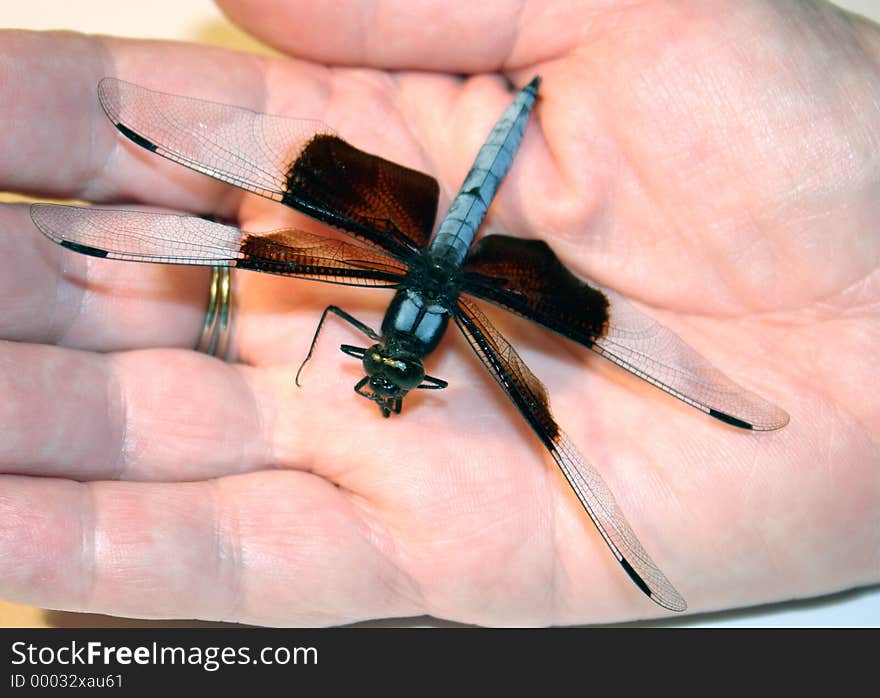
[{"x": 467, "y": 211}]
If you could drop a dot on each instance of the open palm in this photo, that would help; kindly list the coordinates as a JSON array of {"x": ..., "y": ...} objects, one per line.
[{"x": 714, "y": 162}]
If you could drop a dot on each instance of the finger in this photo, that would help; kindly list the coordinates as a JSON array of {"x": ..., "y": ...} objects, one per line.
[
  {"x": 167, "y": 414},
  {"x": 278, "y": 548},
  {"x": 55, "y": 138},
  {"x": 50, "y": 107},
  {"x": 150, "y": 415},
  {"x": 52, "y": 295},
  {"x": 395, "y": 34}
]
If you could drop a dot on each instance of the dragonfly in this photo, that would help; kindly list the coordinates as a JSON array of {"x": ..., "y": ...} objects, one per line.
[{"x": 388, "y": 212}]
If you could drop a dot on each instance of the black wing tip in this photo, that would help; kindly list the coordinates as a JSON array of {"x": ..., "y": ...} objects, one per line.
[
  {"x": 728, "y": 419},
  {"x": 533, "y": 85},
  {"x": 780, "y": 420},
  {"x": 136, "y": 138},
  {"x": 37, "y": 209},
  {"x": 111, "y": 109},
  {"x": 639, "y": 582},
  {"x": 83, "y": 249},
  {"x": 675, "y": 603}
]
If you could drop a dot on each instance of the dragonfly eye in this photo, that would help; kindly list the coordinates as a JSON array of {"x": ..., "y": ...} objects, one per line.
[{"x": 392, "y": 376}]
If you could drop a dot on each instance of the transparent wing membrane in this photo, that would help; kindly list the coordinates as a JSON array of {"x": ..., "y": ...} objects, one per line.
[
  {"x": 530, "y": 397},
  {"x": 142, "y": 236},
  {"x": 526, "y": 277},
  {"x": 299, "y": 163}
]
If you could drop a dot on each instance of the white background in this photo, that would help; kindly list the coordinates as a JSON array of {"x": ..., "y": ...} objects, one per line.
[{"x": 200, "y": 21}]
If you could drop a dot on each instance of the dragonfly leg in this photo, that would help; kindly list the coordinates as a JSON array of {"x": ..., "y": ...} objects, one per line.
[
  {"x": 359, "y": 387},
  {"x": 432, "y": 383},
  {"x": 386, "y": 407},
  {"x": 350, "y": 319}
]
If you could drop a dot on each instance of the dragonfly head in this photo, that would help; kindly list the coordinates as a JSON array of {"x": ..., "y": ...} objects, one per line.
[{"x": 390, "y": 376}]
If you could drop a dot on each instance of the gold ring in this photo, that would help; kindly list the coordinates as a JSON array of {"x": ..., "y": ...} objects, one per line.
[{"x": 214, "y": 339}]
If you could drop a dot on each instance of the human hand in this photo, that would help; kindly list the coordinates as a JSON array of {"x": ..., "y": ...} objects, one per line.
[{"x": 701, "y": 164}]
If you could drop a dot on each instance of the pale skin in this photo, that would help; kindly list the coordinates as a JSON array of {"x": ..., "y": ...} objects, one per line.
[{"x": 716, "y": 162}]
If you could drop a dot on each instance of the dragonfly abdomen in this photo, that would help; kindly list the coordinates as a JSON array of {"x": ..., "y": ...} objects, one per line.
[{"x": 468, "y": 209}]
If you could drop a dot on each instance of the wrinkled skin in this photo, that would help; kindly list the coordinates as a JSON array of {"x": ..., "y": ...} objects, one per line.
[{"x": 717, "y": 162}]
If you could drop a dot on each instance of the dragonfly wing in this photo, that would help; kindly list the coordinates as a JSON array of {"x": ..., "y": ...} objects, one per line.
[
  {"x": 142, "y": 236},
  {"x": 299, "y": 163},
  {"x": 526, "y": 277},
  {"x": 530, "y": 398}
]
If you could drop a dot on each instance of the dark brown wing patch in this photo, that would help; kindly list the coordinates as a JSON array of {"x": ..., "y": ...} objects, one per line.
[
  {"x": 525, "y": 276},
  {"x": 297, "y": 253},
  {"x": 371, "y": 191}
]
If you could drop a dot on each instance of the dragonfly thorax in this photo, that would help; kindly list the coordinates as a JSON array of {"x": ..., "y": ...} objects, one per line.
[{"x": 437, "y": 281}]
